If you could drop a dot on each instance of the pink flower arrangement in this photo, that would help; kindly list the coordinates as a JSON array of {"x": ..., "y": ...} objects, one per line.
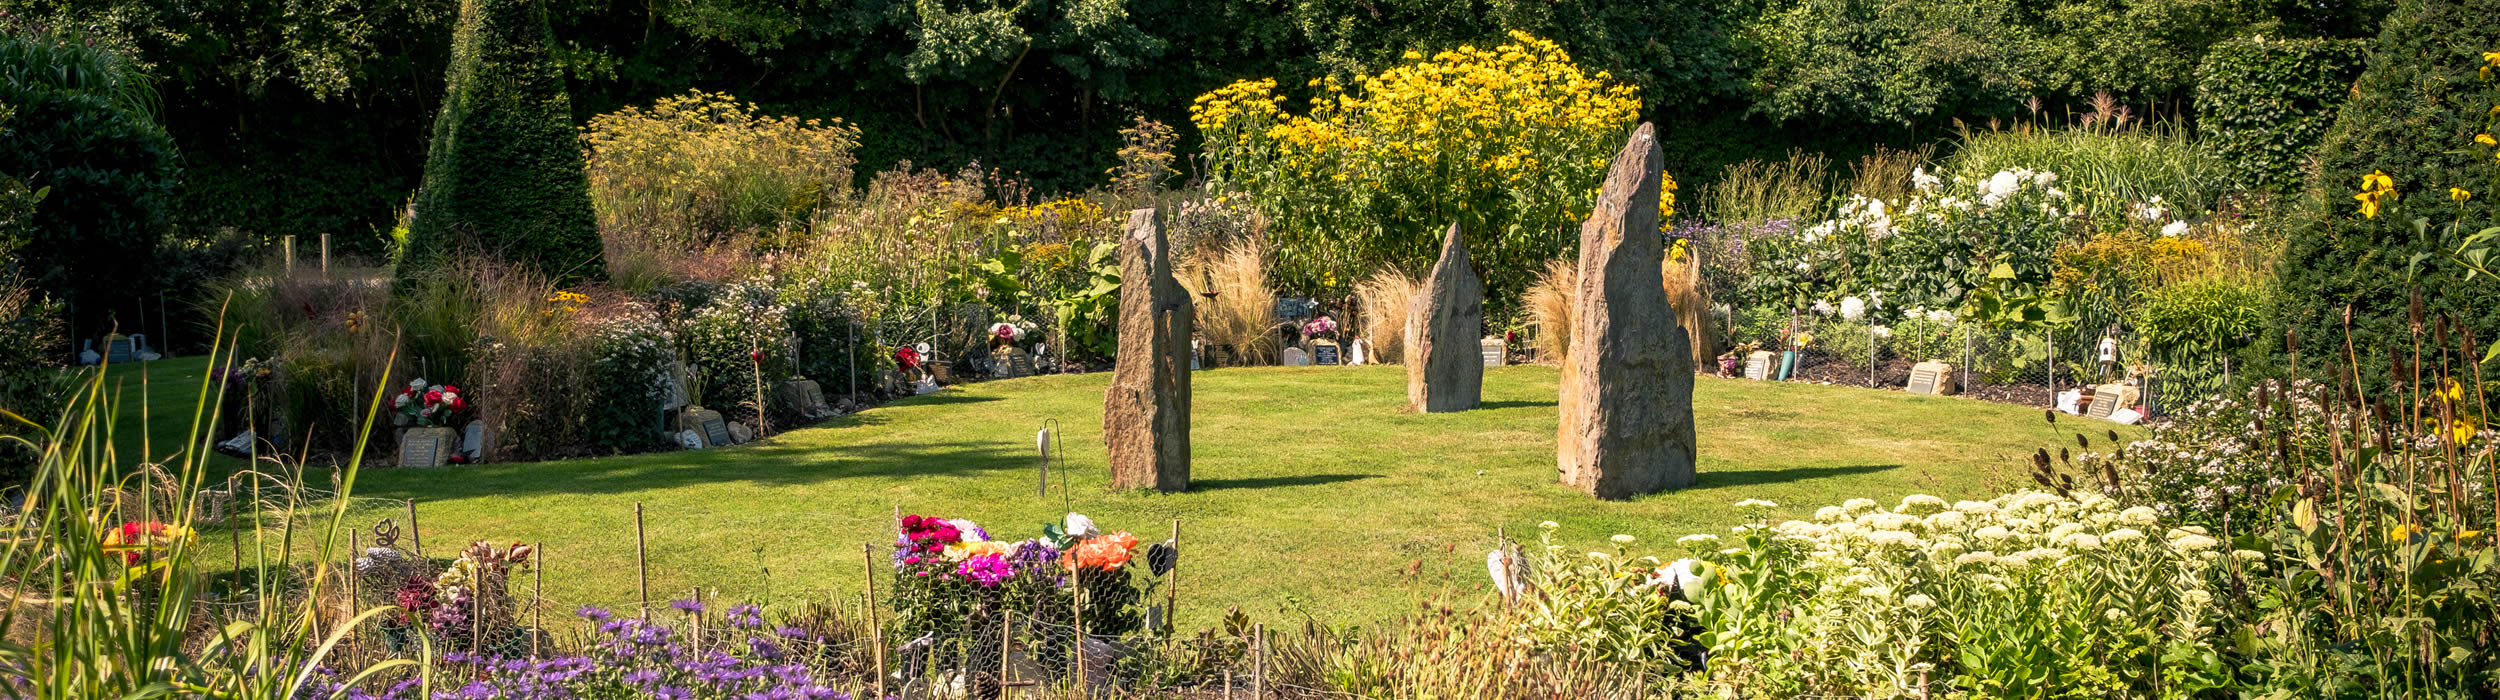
[
  {"x": 426, "y": 404},
  {"x": 1319, "y": 326}
]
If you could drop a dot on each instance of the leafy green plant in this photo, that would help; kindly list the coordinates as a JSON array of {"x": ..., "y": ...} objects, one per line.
[
  {"x": 119, "y": 576},
  {"x": 1089, "y": 318},
  {"x": 84, "y": 131},
  {"x": 630, "y": 355}
]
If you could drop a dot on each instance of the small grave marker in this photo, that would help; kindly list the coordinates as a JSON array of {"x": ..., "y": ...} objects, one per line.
[
  {"x": 1933, "y": 377},
  {"x": 2109, "y": 399},
  {"x": 1295, "y": 357},
  {"x": 425, "y": 447},
  {"x": 1326, "y": 352},
  {"x": 1758, "y": 365},
  {"x": 1496, "y": 351}
]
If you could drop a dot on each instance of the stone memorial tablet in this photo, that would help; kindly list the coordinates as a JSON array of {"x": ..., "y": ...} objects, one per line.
[
  {"x": 1758, "y": 365},
  {"x": 2109, "y": 399},
  {"x": 473, "y": 442},
  {"x": 1933, "y": 377},
  {"x": 1290, "y": 308},
  {"x": 708, "y": 424},
  {"x": 429, "y": 446},
  {"x": 1020, "y": 364},
  {"x": 1295, "y": 357},
  {"x": 1496, "y": 351},
  {"x": 1326, "y": 352}
]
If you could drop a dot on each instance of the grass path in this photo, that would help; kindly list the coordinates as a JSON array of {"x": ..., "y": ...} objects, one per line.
[{"x": 1314, "y": 492}]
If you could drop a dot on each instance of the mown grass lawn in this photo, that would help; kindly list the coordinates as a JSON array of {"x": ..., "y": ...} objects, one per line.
[{"x": 1314, "y": 491}]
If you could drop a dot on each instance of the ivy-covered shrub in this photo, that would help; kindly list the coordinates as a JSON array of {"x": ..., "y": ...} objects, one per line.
[
  {"x": 738, "y": 340},
  {"x": 81, "y": 128},
  {"x": 630, "y": 357},
  {"x": 504, "y": 175},
  {"x": 2263, "y": 104},
  {"x": 2414, "y": 120}
]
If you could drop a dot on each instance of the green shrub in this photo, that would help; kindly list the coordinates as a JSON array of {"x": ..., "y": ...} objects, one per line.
[
  {"x": 835, "y": 349},
  {"x": 2263, "y": 104},
  {"x": 630, "y": 354},
  {"x": 2414, "y": 115},
  {"x": 504, "y": 175},
  {"x": 736, "y": 341},
  {"x": 1851, "y": 342},
  {"x": 2190, "y": 327},
  {"x": 31, "y": 378},
  {"x": 82, "y": 129}
]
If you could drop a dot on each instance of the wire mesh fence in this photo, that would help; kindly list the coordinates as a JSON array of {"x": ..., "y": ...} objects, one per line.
[{"x": 2050, "y": 369}]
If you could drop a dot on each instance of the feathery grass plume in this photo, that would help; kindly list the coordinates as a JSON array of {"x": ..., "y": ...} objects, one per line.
[
  {"x": 1243, "y": 313},
  {"x": 1681, "y": 273},
  {"x": 1885, "y": 174},
  {"x": 1549, "y": 301},
  {"x": 1755, "y": 191},
  {"x": 1387, "y": 298}
]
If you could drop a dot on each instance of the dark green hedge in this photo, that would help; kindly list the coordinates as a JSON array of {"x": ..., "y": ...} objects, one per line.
[
  {"x": 504, "y": 176},
  {"x": 82, "y": 128},
  {"x": 2414, "y": 115},
  {"x": 2263, "y": 104}
]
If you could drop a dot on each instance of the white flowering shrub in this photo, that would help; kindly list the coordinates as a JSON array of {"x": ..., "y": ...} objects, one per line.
[
  {"x": 2027, "y": 595},
  {"x": 1951, "y": 238},
  {"x": 738, "y": 339},
  {"x": 629, "y": 363}
]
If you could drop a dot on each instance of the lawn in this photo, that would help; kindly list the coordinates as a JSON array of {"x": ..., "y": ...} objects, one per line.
[{"x": 1314, "y": 491}]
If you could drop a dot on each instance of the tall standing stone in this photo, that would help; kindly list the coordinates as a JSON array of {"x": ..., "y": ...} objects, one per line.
[
  {"x": 1145, "y": 419},
  {"x": 1445, "y": 365},
  {"x": 1627, "y": 387}
]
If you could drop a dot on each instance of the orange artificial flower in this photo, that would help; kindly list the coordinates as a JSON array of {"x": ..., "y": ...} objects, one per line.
[{"x": 1105, "y": 553}]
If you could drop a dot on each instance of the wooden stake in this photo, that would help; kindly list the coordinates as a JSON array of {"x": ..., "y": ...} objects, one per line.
[
  {"x": 416, "y": 542},
  {"x": 1006, "y": 640},
  {"x": 325, "y": 255},
  {"x": 868, "y": 564},
  {"x": 1076, "y": 605},
  {"x": 1258, "y": 667},
  {"x": 354, "y": 546},
  {"x": 1228, "y": 685},
  {"x": 696, "y": 595},
  {"x": 642, "y": 567},
  {"x": 538, "y": 596},
  {"x": 1172, "y": 606}
]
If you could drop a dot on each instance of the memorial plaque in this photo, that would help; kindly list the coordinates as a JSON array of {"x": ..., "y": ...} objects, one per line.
[
  {"x": 1326, "y": 353},
  {"x": 1295, "y": 357},
  {"x": 2109, "y": 399},
  {"x": 1020, "y": 364},
  {"x": 1758, "y": 365},
  {"x": 121, "y": 350},
  {"x": 1290, "y": 308},
  {"x": 1496, "y": 351},
  {"x": 473, "y": 442},
  {"x": 425, "y": 447},
  {"x": 707, "y": 424},
  {"x": 1933, "y": 377}
]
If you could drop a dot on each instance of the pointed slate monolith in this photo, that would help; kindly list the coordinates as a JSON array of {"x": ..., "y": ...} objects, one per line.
[
  {"x": 1445, "y": 362},
  {"x": 1145, "y": 420},
  {"x": 1627, "y": 385}
]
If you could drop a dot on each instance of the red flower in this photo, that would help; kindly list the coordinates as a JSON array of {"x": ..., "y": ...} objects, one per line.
[
  {"x": 755, "y": 356},
  {"x": 449, "y": 389},
  {"x": 460, "y": 404},
  {"x": 433, "y": 397}
]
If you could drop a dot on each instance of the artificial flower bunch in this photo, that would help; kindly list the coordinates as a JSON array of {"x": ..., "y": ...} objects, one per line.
[
  {"x": 138, "y": 542},
  {"x": 1321, "y": 327},
  {"x": 429, "y": 404},
  {"x": 962, "y": 551}
]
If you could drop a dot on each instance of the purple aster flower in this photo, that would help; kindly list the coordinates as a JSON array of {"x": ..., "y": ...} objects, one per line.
[
  {"x": 746, "y": 615},
  {"x": 594, "y": 613},
  {"x": 789, "y": 632},
  {"x": 691, "y": 606}
]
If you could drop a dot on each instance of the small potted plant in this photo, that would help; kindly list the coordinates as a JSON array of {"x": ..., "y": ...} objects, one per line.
[{"x": 429, "y": 411}]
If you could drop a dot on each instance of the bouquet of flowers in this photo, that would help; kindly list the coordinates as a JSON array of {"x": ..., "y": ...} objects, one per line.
[
  {"x": 951, "y": 575},
  {"x": 429, "y": 405},
  {"x": 139, "y": 542},
  {"x": 1321, "y": 327}
]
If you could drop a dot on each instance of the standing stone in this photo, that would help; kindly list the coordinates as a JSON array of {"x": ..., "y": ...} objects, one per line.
[
  {"x": 1444, "y": 371},
  {"x": 1627, "y": 386},
  {"x": 1145, "y": 417}
]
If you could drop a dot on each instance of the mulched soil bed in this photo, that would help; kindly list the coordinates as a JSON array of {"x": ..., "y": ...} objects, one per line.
[{"x": 1893, "y": 374}]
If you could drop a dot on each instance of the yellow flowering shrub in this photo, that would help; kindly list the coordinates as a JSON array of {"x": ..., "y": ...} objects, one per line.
[
  {"x": 1510, "y": 143},
  {"x": 702, "y": 164}
]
